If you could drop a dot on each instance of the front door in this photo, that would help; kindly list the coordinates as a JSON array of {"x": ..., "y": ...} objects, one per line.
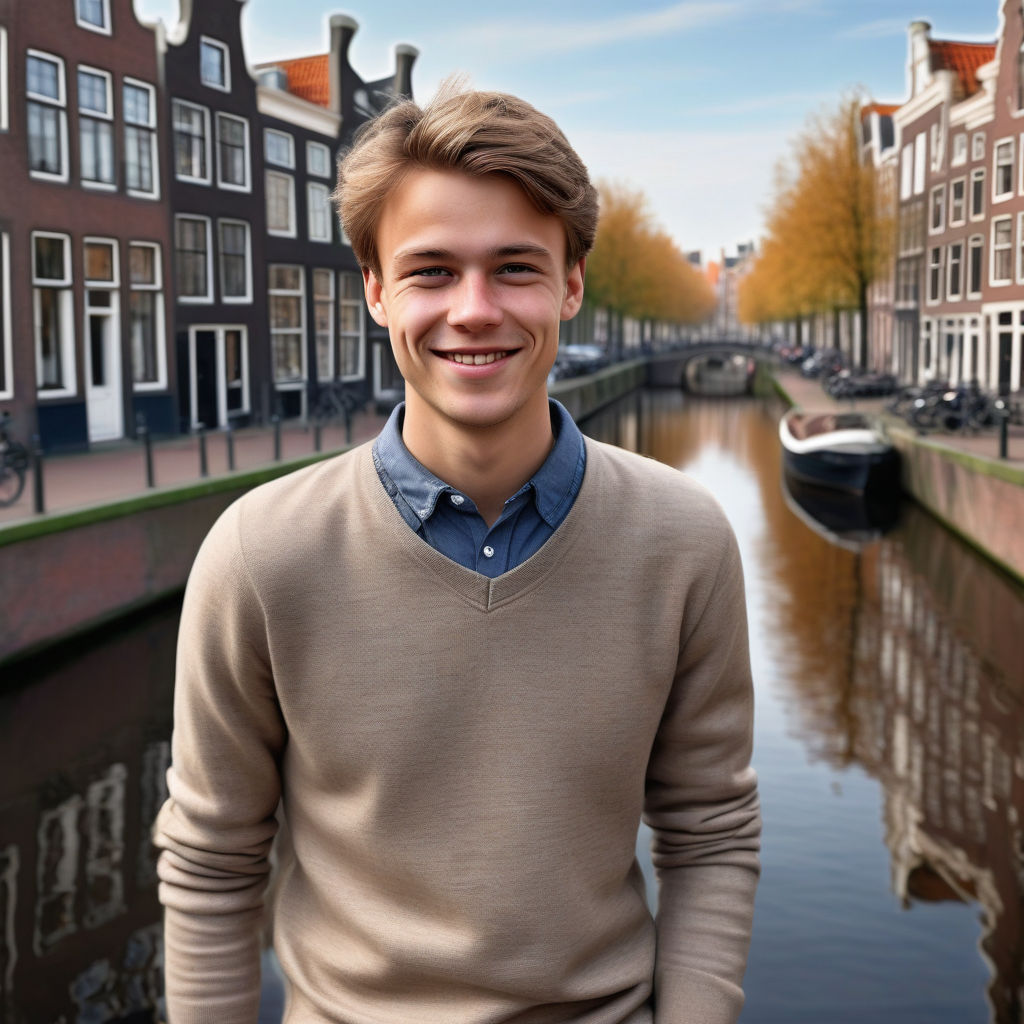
[
  {"x": 219, "y": 366},
  {"x": 205, "y": 353},
  {"x": 103, "y": 366}
]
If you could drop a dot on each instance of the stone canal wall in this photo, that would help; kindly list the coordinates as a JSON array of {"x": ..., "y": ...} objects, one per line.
[{"x": 66, "y": 573}]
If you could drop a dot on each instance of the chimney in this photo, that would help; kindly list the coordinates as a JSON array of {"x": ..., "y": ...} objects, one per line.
[
  {"x": 343, "y": 28},
  {"x": 919, "y": 56},
  {"x": 405, "y": 57}
]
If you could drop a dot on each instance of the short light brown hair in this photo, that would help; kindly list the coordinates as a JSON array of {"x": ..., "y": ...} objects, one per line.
[{"x": 476, "y": 133}]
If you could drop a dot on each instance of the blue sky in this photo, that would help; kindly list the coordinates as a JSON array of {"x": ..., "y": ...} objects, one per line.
[{"x": 693, "y": 102}]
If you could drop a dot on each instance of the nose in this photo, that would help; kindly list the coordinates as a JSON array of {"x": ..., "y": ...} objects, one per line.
[{"x": 474, "y": 306}]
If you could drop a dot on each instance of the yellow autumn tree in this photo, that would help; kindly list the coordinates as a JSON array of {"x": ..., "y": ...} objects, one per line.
[
  {"x": 636, "y": 269},
  {"x": 827, "y": 238}
]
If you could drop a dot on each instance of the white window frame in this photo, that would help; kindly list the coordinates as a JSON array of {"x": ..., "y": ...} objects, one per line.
[
  {"x": 219, "y": 332},
  {"x": 194, "y": 300},
  {"x": 160, "y": 327},
  {"x": 292, "y": 230},
  {"x": 956, "y": 296},
  {"x": 195, "y": 180},
  {"x": 962, "y": 219},
  {"x": 331, "y": 371},
  {"x": 226, "y": 53},
  {"x": 974, "y": 242},
  {"x": 104, "y": 29},
  {"x": 234, "y": 300},
  {"x": 1000, "y": 197},
  {"x": 246, "y": 185},
  {"x": 920, "y": 153},
  {"x": 937, "y": 204},
  {"x": 115, "y": 281},
  {"x": 67, "y": 339},
  {"x": 151, "y": 127},
  {"x": 314, "y": 188},
  {"x": 61, "y": 105},
  {"x": 992, "y": 279},
  {"x": 977, "y": 174},
  {"x": 289, "y": 383},
  {"x": 5, "y": 109},
  {"x": 960, "y": 147},
  {"x": 359, "y": 305},
  {"x": 938, "y": 146},
  {"x": 288, "y": 138},
  {"x": 935, "y": 272},
  {"x": 978, "y": 146},
  {"x": 92, "y": 115},
  {"x": 1019, "y": 261},
  {"x": 7, "y": 377},
  {"x": 318, "y": 147},
  {"x": 907, "y": 171}
]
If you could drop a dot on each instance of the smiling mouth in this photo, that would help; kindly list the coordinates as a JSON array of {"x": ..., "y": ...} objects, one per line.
[{"x": 474, "y": 359}]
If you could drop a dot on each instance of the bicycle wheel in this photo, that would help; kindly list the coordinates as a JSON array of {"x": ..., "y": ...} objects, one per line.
[{"x": 12, "y": 482}]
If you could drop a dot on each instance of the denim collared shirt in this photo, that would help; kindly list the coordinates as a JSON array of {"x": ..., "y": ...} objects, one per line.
[{"x": 448, "y": 520}]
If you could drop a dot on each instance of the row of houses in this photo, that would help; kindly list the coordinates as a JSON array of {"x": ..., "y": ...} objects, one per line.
[
  {"x": 168, "y": 248},
  {"x": 950, "y": 161}
]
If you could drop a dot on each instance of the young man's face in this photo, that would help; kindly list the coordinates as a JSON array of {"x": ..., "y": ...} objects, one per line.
[{"x": 472, "y": 288}]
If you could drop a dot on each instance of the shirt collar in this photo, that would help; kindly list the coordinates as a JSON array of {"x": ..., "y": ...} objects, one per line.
[{"x": 553, "y": 484}]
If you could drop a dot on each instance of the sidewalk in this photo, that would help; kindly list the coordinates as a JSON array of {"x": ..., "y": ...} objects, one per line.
[
  {"x": 119, "y": 471},
  {"x": 810, "y": 395}
]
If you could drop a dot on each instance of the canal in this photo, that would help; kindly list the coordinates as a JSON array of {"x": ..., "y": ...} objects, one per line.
[{"x": 889, "y": 745}]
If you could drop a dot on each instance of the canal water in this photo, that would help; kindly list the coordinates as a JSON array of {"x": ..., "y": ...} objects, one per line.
[{"x": 889, "y": 745}]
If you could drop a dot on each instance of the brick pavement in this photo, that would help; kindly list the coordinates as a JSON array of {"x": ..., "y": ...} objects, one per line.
[{"x": 118, "y": 470}]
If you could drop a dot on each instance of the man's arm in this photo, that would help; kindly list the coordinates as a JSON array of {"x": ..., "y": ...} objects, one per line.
[
  {"x": 701, "y": 802},
  {"x": 217, "y": 825}
]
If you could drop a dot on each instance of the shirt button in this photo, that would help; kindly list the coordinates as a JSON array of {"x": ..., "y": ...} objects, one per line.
[
  {"x": 457, "y": 499},
  {"x": 488, "y": 551}
]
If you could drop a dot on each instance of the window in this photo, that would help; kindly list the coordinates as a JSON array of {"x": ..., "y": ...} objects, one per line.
[
  {"x": 278, "y": 148},
  {"x": 977, "y": 193},
  {"x": 920, "y": 148},
  {"x": 6, "y": 374},
  {"x": 235, "y": 261},
  {"x": 959, "y": 149},
  {"x": 140, "y": 139},
  {"x": 974, "y": 249},
  {"x": 233, "y": 152},
  {"x": 1002, "y": 171},
  {"x": 285, "y": 294},
  {"x": 1020, "y": 248},
  {"x": 908, "y": 274},
  {"x": 318, "y": 202},
  {"x": 214, "y": 64},
  {"x": 280, "y": 204},
  {"x": 1020, "y": 78},
  {"x": 323, "y": 316},
  {"x": 95, "y": 127},
  {"x": 1002, "y": 241},
  {"x": 937, "y": 218},
  {"x": 47, "y": 117},
  {"x": 957, "y": 201},
  {"x": 935, "y": 273},
  {"x": 938, "y": 146},
  {"x": 191, "y": 142},
  {"x": 192, "y": 258},
  {"x": 978, "y": 146},
  {"x": 906, "y": 171},
  {"x": 52, "y": 314},
  {"x": 93, "y": 15},
  {"x": 954, "y": 283},
  {"x": 318, "y": 159},
  {"x": 352, "y": 314},
  {"x": 4, "y": 111},
  {"x": 146, "y": 317}
]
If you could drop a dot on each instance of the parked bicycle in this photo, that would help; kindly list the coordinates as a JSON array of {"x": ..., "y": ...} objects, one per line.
[
  {"x": 13, "y": 463},
  {"x": 333, "y": 401}
]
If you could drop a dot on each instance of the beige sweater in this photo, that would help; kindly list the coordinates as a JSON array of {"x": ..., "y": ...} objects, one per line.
[{"x": 463, "y": 762}]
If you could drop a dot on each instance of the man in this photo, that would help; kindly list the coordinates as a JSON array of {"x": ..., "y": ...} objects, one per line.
[{"x": 460, "y": 663}]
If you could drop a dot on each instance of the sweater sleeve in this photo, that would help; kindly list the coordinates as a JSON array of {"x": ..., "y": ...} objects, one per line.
[
  {"x": 702, "y": 805},
  {"x": 217, "y": 826}
]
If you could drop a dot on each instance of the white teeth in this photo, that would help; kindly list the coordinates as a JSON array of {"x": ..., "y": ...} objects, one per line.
[{"x": 476, "y": 360}]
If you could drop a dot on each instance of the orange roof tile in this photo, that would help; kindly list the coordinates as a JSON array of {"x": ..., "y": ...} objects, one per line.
[
  {"x": 882, "y": 109},
  {"x": 308, "y": 77},
  {"x": 963, "y": 58}
]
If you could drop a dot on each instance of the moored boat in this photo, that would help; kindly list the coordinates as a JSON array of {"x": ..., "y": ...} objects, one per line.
[{"x": 848, "y": 451}]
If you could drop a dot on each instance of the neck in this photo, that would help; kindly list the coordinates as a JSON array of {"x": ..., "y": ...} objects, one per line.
[{"x": 488, "y": 464}]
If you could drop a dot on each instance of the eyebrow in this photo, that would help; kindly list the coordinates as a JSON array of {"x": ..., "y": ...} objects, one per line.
[{"x": 404, "y": 256}]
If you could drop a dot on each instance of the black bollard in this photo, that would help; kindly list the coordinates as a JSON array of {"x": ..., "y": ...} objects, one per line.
[
  {"x": 204, "y": 467},
  {"x": 142, "y": 432},
  {"x": 317, "y": 439},
  {"x": 348, "y": 425},
  {"x": 37, "y": 476},
  {"x": 277, "y": 437},
  {"x": 1004, "y": 432},
  {"x": 230, "y": 438}
]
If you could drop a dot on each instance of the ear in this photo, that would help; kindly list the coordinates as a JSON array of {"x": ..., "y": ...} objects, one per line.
[
  {"x": 574, "y": 289},
  {"x": 374, "y": 297}
]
